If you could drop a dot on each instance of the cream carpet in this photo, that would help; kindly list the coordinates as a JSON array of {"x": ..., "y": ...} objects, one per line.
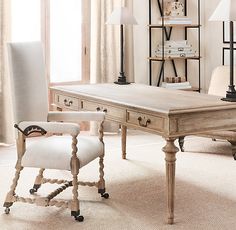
[{"x": 205, "y": 189}]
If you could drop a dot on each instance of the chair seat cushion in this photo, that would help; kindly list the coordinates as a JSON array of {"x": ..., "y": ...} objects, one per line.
[{"x": 55, "y": 152}]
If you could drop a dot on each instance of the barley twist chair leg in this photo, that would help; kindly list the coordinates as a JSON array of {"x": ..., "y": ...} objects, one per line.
[
  {"x": 10, "y": 195},
  {"x": 37, "y": 182},
  {"x": 101, "y": 182},
  {"x": 10, "y": 198},
  {"x": 75, "y": 210}
]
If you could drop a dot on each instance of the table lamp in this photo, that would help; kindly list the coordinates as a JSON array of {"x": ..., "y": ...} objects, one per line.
[
  {"x": 121, "y": 16},
  {"x": 226, "y": 12}
]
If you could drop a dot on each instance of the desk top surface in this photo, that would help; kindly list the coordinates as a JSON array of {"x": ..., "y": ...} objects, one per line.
[{"x": 149, "y": 97}]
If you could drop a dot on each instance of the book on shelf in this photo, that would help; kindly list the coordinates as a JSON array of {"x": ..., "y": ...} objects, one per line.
[
  {"x": 168, "y": 49},
  {"x": 174, "y": 49},
  {"x": 178, "y": 85},
  {"x": 176, "y": 43}
]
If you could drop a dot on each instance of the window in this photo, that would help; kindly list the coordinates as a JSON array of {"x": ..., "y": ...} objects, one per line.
[
  {"x": 25, "y": 19},
  {"x": 65, "y": 40},
  {"x": 63, "y": 26},
  {"x": 67, "y": 48}
]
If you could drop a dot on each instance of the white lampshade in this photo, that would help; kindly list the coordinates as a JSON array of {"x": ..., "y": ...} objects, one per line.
[
  {"x": 121, "y": 16},
  {"x": 225, "y": 11}
]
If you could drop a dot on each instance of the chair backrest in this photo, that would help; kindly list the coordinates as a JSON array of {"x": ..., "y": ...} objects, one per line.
[
  {"x": 28, "y": 81},
  {"x": 220, "y": 81}
]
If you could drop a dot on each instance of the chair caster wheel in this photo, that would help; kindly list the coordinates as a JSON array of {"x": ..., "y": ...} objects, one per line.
[
  {"x": 79, "y": 218},
  {"x": 32, "y": 191},
  {"x": 105, "y": 195},
  {"x": 7, "y": 210}
]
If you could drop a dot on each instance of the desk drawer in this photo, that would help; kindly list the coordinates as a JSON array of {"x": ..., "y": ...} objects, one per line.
[
  {"x": 67, "y": 101},
  {"x": 145, "y": 120},
  {"x": 112, "y": 112}
]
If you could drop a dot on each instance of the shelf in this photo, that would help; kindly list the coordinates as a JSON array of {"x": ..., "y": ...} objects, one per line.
[
  {"x": 172, "y": 58},
  {"x": 195, "y": 89},
  {"x": 159, "y": 26},
  {"x": 166, "y": 26}
]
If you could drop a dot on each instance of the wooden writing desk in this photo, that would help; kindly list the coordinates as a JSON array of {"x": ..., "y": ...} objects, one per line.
[{"x": 169, "y": 113}]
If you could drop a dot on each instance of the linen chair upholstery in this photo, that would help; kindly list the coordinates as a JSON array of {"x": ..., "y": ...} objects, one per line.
[
  {"x": 28, "y": 61},
  {"x": 62, "y": 152},
  {"x": 218, "y": 85}
]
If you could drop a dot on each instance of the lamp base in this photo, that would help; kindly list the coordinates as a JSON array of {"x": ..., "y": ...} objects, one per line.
[
  {"x": 122, "y": 83},
  {"x": 230, "y": 96},
  {"x": 122, "y": 79}
]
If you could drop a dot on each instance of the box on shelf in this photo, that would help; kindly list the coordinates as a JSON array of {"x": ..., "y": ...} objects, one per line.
[
  {"x": 175, "y": 49},
  {"x": 174, "y": 79}
]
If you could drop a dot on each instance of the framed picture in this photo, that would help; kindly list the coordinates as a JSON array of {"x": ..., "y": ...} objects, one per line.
[
  {"x": 226, "y": 32},
  {"x": 226, "y": 57}
]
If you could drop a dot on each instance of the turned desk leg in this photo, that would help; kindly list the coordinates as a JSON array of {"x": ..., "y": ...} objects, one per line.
[
  {"x": 170, "y": 151},
  {"x": 123, "y": 140}
]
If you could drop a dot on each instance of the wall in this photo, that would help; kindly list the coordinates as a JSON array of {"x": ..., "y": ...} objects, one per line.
[
  {"x": 140, "y": 12},
  {"x": 211, "y": 42}
]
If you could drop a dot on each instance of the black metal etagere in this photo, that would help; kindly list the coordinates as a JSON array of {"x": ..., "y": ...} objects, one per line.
[{"x": 166, "y": 35}]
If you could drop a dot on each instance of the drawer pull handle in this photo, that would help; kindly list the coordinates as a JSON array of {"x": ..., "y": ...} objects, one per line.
[
  {"x": 145, "y": 124},
  {"x": 99, "y": 109},
  {"x": 68, "y": 103}
]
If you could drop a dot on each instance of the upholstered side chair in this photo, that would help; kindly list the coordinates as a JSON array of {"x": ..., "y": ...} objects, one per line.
[
  {"x": 69, "y": 151},
  {"x": 218, "y": 85}
]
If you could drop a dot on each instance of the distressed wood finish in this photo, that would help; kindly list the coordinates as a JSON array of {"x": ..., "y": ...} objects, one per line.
[
  {"x": 123, "y": 140},
  {"x": 101, "y": 182},
  {"x": 169, "y": 113},
  {"x": 172, "y": 113},
  {"x": 10, "y": 198},
  {"x": 170, "y": 151},
  {"x": 39, "y": 178},
  {"x": 74, "y": 172}
]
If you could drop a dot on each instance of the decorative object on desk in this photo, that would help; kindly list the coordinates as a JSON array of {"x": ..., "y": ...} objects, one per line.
[
  {"x": 226, "y": 12},
  {"x": 174, "y": 8},
  {"x": 121, "y": 16},
  {"x": 175, "y": 49}
]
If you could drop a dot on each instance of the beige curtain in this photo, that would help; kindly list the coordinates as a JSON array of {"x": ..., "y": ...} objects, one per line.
[
  {"x": 105, "y": 48},
  {"x": 6, "y": 120},
  {"x": 105, "y": 43}
]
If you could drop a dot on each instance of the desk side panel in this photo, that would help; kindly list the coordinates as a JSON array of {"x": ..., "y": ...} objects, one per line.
[{"x": 200, "y": 122}]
